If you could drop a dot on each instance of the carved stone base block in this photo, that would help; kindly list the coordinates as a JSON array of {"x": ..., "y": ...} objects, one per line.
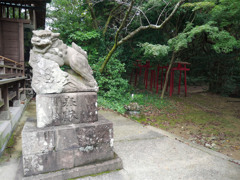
[
  {"x": 66, "y": 108},
  {"x": 86, "y": 170},
  {"x": 52, "y": 149}
]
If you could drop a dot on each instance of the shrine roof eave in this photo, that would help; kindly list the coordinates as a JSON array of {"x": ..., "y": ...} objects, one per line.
[{"x": 26, "y": 1}]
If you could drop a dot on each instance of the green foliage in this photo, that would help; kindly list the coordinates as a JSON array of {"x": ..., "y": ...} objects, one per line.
[
  {"x": 205, "y": 5},
  {"x": 227, "y": 14},
  {"x": 68, "y": 17},
  {"x": 80, "y": 36},
  {"x": 143, "y": 99},
  {"x": 222, "y": 41},
  {"x": 202, "y": 44},
  {"x": 114, "y": 105},
  {"x": 113, "y": 89},
  {"x": 224, "y": 75},
  {"x": 110, "y": 82},
  {"x": 147, "y": 99},
  {"x": 156, "y": 50}
]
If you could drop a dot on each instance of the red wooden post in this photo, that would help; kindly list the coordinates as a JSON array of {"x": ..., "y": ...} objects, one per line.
[
  {"x": 140, "y": 70},
  {"x": 131, "y": 77},
  {"x": 185, "y": 81},
  {"x": 154, "y": 81},
  {"x": 181, "y": 66},
  {"x": 135, "y": 76},
  {"x": 146, "y": 78},
  {"x": 172, "y": 80},
  {"x": 151, "y": 79},
  {"x": 162, "y": 78},
  {"x": 140, "y": 66},
  {"x": 179, "y": 82},
  {"x": 158, "y": 69},
  {"x": 165, "y": 80},
  {"x": 146, "y": 73}
]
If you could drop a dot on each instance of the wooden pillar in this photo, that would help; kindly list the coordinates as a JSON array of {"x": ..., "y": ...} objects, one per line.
[
  {"x": 7, "y": 12},
  {"x": 19, "y": 13},
  {"x": 1, "y": 43},
  {"x": 16, "y": 100},
  {"x": 16, "y": 89},
  {"x": 4, "y": 110},
  {"x": 1, "y": 11},
  {"x": 24, "y": 86},
  {"x": 13, "y": 11},
  {"x": 25, "y": 13},
  {"x": 23, "y": 94},
  {"x": 21, "y": 42},
  {"x": 5, "y": 97}
]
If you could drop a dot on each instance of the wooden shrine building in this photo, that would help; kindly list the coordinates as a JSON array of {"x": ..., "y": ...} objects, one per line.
[{"x": 15, "y": 17}]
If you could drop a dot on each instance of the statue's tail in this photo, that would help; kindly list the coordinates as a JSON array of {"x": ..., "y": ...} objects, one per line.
[{"x": 79, "y": 49}]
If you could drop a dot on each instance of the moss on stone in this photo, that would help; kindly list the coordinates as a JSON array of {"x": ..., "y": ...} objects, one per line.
[{"x": 3, "y": 140}]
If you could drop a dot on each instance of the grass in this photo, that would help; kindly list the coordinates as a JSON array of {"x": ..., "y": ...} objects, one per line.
[
  {"x": 203, "y": 118},
  {"x": 143, "y": 99}
]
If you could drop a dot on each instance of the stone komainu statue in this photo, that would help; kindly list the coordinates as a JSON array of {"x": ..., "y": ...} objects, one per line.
[{"x": 48, "y": 55}]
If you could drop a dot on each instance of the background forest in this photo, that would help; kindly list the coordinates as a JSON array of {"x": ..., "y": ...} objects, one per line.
[{"x": 117, "y": 33}]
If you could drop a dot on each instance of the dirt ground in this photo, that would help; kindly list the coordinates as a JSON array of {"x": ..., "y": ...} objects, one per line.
[{"x": 207, "y": 119}]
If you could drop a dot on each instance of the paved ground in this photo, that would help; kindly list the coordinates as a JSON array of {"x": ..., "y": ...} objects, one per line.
[{"x": 152, "y": 154}]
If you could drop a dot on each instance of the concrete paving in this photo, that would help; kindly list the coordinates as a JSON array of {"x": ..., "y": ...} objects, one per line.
[{"x": 152, "y": 154}]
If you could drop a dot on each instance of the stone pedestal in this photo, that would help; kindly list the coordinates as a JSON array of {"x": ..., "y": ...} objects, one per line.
[
  {"x": 71, "y": 135},
  {"x": 66, "y": 108}
]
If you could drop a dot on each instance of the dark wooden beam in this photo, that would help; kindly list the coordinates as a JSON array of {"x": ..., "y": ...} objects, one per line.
[
  {"x": 26, "y": 1},
  {"x": 25, "y": 13},
  {"x": 19, "y": 13},
  {"x": 1, "y": 13},
  {"x": 23, "y": 6},
  {"x": 7, "y": 12},
  {"x": 13, "y": 12},
  {"x": 6, "y": 76}
]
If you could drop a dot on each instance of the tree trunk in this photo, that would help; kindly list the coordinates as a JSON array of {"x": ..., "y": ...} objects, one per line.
[
  {"x": 108, "y": 57},
  {"x": 95, "y": 25},
  {"x": 133, "y": 33},
  {"x": 116, "y": 38},
  {"x": 111, "y": 15},
  {"x": 167, "y": 74}
]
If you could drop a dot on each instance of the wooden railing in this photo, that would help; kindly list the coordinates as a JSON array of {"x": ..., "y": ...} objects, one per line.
[
  {"x": 15, "y": 10},
  {"x": 10, "y": 68}
]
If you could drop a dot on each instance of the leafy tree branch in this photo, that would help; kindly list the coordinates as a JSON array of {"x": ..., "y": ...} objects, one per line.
[
  {"x": 136, "y": 31},
  {"x": 116, "y": 38},
  {"x": 111, "y": 15},
  {"x": 94, "y": 19}
]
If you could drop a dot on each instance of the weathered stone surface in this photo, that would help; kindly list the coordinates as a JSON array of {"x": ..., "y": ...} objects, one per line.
[
  {"x": 16, "y": 103},
  {"x": 46, "y": 57},
  {"x": 84, "y": 136},
  {"x": 5, "y": 132},
  {"x": 5, "y": 115},
  {"x": 132, "y": 107},
  {"x": 23, "y": 97},
  {"x": 67, "y": 146},
  {"x": 66, "y": 108},
  {"x": 108, "y": 165}
]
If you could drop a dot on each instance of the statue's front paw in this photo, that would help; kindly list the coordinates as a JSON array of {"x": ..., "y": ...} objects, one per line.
[{"x": 92, "y": 83}]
